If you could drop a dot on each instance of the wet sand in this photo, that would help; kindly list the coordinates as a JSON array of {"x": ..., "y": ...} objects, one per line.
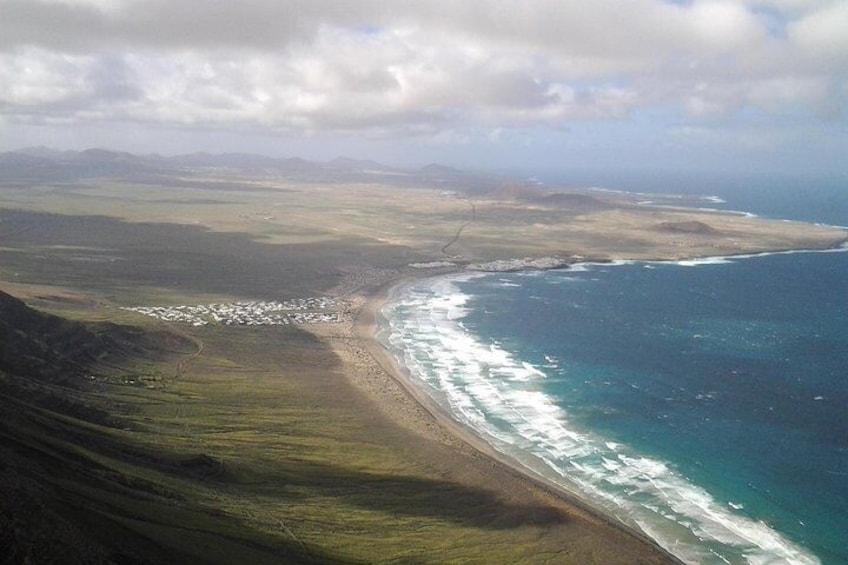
[{"x": 587, "y": 535}]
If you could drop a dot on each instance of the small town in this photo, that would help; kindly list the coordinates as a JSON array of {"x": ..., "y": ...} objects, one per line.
[{"x": 321, "y": 310}]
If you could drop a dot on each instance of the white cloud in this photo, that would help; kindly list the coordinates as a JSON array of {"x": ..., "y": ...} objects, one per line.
[
  {"x": 34, "y": 79},
  {"x": 824, "y": 32},
  {"x": 440, "y": 68}
]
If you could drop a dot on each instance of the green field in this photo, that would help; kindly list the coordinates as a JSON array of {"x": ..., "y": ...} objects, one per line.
[{"x": 129, "y": 440}]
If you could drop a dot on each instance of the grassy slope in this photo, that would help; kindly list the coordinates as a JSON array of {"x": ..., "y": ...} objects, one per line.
[
  {"x": 243, "y": 453},
  {"x": 76, "y": 487},
  {"x": 259, "y": 449}
]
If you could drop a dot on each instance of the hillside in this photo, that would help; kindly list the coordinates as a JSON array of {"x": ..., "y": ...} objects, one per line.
[
  {"x": 73, "y": 488},
  {"x": 50, "y": 349}
]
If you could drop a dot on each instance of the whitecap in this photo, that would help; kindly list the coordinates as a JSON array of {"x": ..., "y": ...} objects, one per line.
[{"x": 500, "y": 397}]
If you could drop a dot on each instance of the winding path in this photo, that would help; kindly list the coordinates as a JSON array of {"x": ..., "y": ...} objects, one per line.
[{"x": 462, "y": 227}]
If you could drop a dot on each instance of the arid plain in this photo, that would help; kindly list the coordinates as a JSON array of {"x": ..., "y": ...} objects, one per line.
[{"x": 222, "y": 440}]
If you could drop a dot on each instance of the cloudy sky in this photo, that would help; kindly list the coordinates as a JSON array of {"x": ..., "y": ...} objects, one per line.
[{"x": 702, "y": 84}]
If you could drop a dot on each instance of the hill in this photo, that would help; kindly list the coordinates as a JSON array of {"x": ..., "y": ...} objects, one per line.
[
  {"x": 688, "y": 227},
  {"x": 42, "y": 164},
  {"x": 51, "y": 349},
  {"x": 73, "y": 488}
]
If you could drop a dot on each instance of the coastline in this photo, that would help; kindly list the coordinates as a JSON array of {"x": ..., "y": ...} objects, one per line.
[
  {"x": 328, "y": 446},
  {"x": 425, "y": 416},
  {"x": 367, "y": 325}
]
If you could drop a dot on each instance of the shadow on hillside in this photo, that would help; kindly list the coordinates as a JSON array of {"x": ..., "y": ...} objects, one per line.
[
  {"x": 61, "y": 502},
  {"x": 402, "y": 495}
]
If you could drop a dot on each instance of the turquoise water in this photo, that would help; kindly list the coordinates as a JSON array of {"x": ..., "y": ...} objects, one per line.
[{"x": 706, "y": 403}]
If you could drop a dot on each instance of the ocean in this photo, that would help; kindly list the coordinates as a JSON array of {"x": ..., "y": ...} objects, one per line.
[{"x": 702, "y": 402}]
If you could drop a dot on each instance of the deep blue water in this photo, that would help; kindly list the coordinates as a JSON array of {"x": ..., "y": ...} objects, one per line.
[{"x": 707, "y": 405}]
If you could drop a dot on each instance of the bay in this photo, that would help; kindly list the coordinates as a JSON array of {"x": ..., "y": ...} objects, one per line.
[{"x": 703, "y": 402}]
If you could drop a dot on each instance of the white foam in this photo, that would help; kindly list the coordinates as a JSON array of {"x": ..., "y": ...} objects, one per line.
[
  {"x": 722, "y": 259},
  {"x": 704, "y": 261},
  {"x": 508, "y": 283},
  {"x": 585, "y": 266},
  {"x": 500, "y": 397}
]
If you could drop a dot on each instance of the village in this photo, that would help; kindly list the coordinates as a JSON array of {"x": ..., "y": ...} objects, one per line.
[{"x": 321, "y": 310}]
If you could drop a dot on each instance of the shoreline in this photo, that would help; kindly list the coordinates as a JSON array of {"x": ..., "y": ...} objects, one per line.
[
  {"x": 553, "y": 263},
  {"x": 366, "y": 327}
]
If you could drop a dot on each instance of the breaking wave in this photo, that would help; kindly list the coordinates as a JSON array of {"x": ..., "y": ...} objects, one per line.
[{"x": 500, "y": 398}]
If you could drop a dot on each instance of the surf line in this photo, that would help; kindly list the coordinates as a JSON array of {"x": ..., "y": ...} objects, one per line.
[{"x": 489, "y": 391}]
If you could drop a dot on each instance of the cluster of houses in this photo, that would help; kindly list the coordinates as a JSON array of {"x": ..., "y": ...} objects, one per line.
[
  {"x": 321, "y": 310},
  {"x": 526, "y": 264}
]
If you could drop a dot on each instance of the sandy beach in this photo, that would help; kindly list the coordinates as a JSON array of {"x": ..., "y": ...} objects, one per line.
[
  {"x": 579, "y": 530},
  {"x": 305, "y": 440}
]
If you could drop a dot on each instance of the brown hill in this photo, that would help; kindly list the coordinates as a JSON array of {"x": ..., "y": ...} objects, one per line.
[{"x": 691, "y": 226}]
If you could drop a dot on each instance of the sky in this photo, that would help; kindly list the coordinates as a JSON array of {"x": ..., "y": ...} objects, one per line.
[{"x": 727, "y": 85}]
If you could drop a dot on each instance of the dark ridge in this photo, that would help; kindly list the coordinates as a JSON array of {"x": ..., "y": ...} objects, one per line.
[
  {"x": 45, "y": 347},
  {"x": 74, "y": 487},
  {"x": 54, "y": 350}
]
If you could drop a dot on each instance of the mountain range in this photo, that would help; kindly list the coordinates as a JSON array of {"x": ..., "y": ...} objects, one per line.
[{"x": 45, "y": 164}]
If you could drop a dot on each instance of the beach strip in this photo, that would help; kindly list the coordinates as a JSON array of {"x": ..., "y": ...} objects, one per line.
[{"x": 472, "y": 458}]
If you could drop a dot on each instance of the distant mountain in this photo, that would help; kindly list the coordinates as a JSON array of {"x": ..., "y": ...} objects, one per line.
[
  {"x": 41, "y": 151},
  {"x": 346, "y": 163},
  {"x": 231, "y": 160},
  {"x": 575, "y": 201},
  {"x": 298, "y": 165},
  {"x": 687, "y": 227},
  {"x": 49, "y": 165},
  {"x": 21, "y": 159},
  {"x": 517, "y": 191},
  {"x": 434, "y": 169},
  {"x": 41, "y": 164},
  {"x": 104, "y": 155}
]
